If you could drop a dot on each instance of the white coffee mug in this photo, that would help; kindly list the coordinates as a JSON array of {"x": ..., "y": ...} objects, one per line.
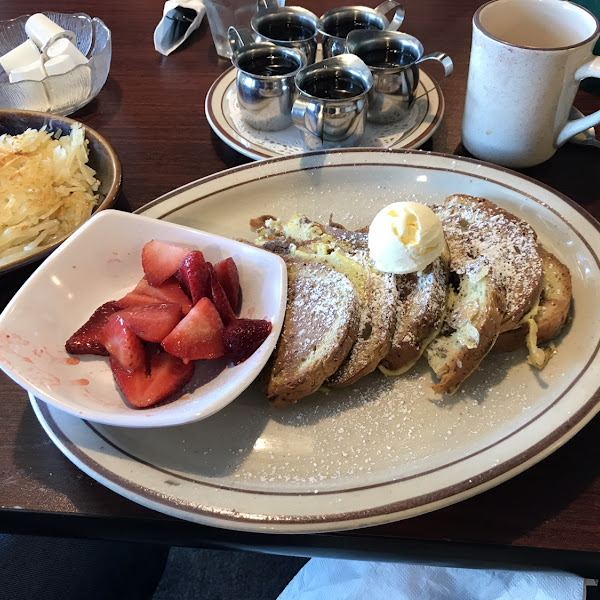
[{"x": 527, "y": 58}]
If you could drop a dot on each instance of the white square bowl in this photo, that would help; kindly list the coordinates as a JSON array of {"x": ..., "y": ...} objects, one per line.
[{"x": 102, "y": 262}]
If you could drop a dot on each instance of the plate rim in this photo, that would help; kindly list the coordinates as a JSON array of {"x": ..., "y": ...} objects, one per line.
[
  {"x": 228, "y": 77},
  {"x": 379, "y": 515},
  {"x": 493, "y": 475},
  {"x": 407, "y": 151}
]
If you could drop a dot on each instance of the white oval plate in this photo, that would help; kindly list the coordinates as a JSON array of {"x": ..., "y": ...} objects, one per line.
[
  {"x": 383, "y": 449},
  {"x": 222, "y": 112}
]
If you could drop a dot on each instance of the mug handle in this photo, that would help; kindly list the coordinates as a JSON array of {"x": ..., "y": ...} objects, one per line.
[
  {"x": 443, "y": 59},
  {"x": 239, "y": 37},
  {"x": 386, "y": 7},
  {"x": 308, "y": 115},
  {"x": 572, "y": 128}
]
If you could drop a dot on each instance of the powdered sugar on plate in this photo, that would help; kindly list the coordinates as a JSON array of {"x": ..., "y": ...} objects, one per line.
[{"x": 379, "y": 425}]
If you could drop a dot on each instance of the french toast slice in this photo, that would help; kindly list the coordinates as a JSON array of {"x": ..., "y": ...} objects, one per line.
[
  {"x": 419, "y": 315},
  {"x": 379, "y": 310},
  {"x": 346, "y": 253},
  {"x": 476, "y": 227},
  {"x": 377, "y": 322},
  {"x": 547, "y": 318},
  {"x": 475, "y": 312},
  {"x": 420, "y": 307},
  {"x": 310, "y": 350},
  {"x": 496, "y": 275}
]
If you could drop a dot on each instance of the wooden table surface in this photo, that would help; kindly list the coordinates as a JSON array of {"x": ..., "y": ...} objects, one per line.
[{"x": 152, "y": 111}]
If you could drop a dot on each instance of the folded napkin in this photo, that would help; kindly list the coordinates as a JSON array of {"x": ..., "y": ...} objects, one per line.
[
  {"x": 180, "y": 18},
  {"x": 333, "y": 579}
]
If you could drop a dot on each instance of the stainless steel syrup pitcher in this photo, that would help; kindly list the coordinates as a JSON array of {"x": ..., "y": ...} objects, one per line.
[
  {"x": 265, "y": 80},
  {"x": 289, "y": 26},
  {"x": 336, "y": 24},
  {"x": 331, "y": 108},
  {"x": 393, "y": 59}
]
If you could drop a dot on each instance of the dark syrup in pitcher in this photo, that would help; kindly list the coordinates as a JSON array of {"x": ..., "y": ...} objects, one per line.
[
  {"x": 270, "y": 65},
  {"x": 336, "y": 87},
  {"x": 284, "y": 31},
  {"x": 342, "y": 26},
  {"x": 387, "y": 58}
]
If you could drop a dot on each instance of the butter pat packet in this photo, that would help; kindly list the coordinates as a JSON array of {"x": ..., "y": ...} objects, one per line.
[{"x": 180, "y": 18}]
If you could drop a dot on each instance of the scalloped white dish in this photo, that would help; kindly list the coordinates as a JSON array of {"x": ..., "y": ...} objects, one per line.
[
  {"x": 385, "y": 448},
  {"x": 100, "y": 262}
]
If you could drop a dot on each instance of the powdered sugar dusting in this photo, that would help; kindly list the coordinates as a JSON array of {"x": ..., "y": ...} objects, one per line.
[
  {"x": 379, "y": 429},
  {"x": 475, "y": 228},
  {"x": 419, "y": 313},
  {"x": 313, "y": 294}
]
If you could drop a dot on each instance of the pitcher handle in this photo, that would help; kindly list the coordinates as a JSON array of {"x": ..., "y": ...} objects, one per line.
[
  {"x": 388, "y": 5},
  {"x": 239, "y": 37},
  {"x": 443, "y": 59},
  {"x": 269, "y": 4},
  {"x": 308, "y": 115},
  {"x": 590, "y": 69}
]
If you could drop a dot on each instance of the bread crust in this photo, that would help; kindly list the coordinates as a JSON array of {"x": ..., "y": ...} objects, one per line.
[
  {"x": 464, "y": 361},
  {"x": 554, "y": 308},
  {"x": 346, "y": 251},
  {"x": 476, "y": 227},
  {"x": 374, "y": 338},
  {"x": 420, "y": 312},
  {"x": 309, "y": 351}
]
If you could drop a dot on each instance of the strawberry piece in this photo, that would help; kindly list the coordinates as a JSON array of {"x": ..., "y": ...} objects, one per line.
[
  {"x": 151, "y": 348},
  {"x": 144, "y": 293},
  {"x": 219, "y": 298},
  {"x": 86, "y": 340},
  {"x": 229, "y": 278},
  {"x": 199, "y": 335},
  {"x": 152, "y": 322},
  {"x": 160, "y": 260},
  {"x": 167, "y": 375},
  {"x": 243, "y": 337},
  {"x": 194, "y": 277},
  {"x": 123, "y": 345}
]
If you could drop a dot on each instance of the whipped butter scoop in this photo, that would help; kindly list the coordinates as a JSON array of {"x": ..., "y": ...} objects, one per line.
[{"x": 405, "y": 237}]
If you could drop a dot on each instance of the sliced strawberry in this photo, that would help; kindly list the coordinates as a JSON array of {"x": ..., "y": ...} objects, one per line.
[
  {"x": 243, "y": 337},
  {"x": 219, "y": 298},
  {"x": 152, "y": 322},
  {"x": 167, "y": 375},
  {"x": 160, "y": 260},
  {"x": 86, "y": 340},
  {"x": 144, "y": 293},
  {"x": 151, "y": 348},
  {"x": 122, "y": 344},
  {"x": 194, "y": 277},
  {"x": 199, "y": 335},
  {"x": 229, "y": 278}
]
